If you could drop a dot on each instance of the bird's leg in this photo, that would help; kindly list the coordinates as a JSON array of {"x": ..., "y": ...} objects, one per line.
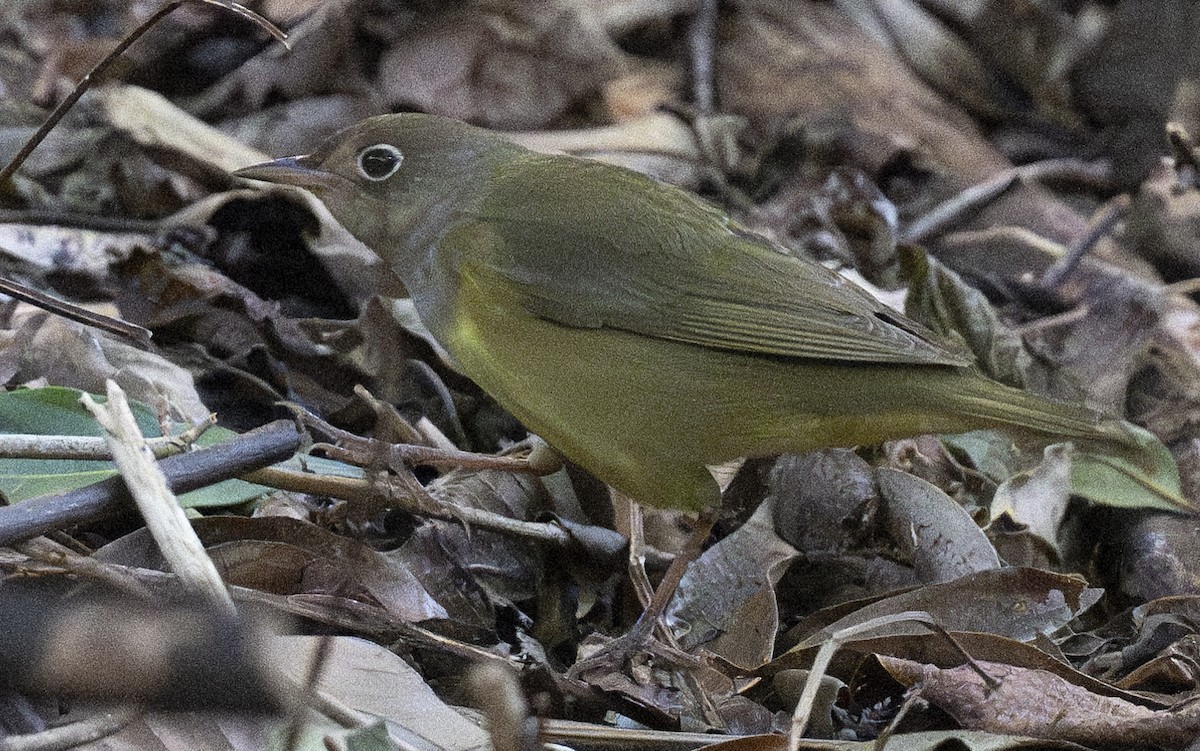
[
  {"x": 644, "y": 626},
  {"x": 639, "y": 643}
]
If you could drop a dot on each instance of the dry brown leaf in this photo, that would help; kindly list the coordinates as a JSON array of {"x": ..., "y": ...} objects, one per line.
[
  {"x": 369, "y": 678},
  {"x": 726, "y": 600},
  {"x": 1042, "y": 705},
  {"x": 500, "y": 63},
  {"x": 941, "y": 538},
  {"x": 68, "y": 354},
  {"x": 297, "y": 558},
  {"x": 1019, "y": 603},
  {"x": 161, "y": 127}
]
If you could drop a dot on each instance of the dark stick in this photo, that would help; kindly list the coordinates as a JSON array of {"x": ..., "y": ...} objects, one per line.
[
  {"x": 1101, "y": 223},
  {"x": 256, "y": 449},
  {"x": 77, "y": 313}
]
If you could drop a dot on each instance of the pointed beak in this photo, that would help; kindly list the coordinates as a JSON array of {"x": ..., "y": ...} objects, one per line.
[{"x": 293, "y": 170}]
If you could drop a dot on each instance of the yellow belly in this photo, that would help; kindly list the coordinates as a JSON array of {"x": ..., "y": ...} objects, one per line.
[
  {"x": 646, "y": 414},
  {"x": 579, "y": 390}
]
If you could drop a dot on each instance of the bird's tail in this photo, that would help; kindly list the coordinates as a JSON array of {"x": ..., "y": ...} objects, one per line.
[{"x": 1115, "y": 462}]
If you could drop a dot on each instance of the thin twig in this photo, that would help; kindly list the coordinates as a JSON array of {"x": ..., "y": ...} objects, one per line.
[
  {"x": 1183, "y": 287},
  {"x": 913, "y": 699},
  {"x": 702, "y": 43},
  {"x": 360, "y": 451},
  {"x": 250, "y": 451},
  {"x": 402, "y": 491},
  {"x": 956, "y": 209},
  {"x": 85, "y": 448},
  {"x": 1061, "y": 319},
  {"x": 77, "y": 313},
  {"x": 49, "y": 553},
  {"x": 298, "y": 714},
  {"x": 98, "y": 71},
  {"x": 1094, "y": 175},
  {"x": 966, "y": 203},
  {"x": 808, "y": 697},
  {"x": 94, "y": 728},
  {"x": 151, "y": 491},
  {"x": 72, "y": 220},
  {"x": 1101, "y": 223}
]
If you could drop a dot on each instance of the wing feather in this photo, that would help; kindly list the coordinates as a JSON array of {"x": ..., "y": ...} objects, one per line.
[{"x": 581, "y": 253}]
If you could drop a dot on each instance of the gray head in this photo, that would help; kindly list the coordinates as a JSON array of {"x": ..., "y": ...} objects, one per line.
[{"x": 395, "y": 180}]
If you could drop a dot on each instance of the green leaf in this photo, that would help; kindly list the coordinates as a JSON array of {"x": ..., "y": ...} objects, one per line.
[
  {"x": 991, "y": 452},
  {"x": 54, "y": 410},
  {"x": 1151, "y": 480}
]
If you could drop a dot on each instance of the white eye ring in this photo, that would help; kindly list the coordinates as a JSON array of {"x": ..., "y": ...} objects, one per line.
[{"x": 379, "y": 162}]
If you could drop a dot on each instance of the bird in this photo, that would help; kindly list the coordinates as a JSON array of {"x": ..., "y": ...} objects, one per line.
[{"x": 643, "y": 333}]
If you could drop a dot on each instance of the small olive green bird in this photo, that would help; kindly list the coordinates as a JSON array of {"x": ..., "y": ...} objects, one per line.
[{"x": 641, "y": 332}]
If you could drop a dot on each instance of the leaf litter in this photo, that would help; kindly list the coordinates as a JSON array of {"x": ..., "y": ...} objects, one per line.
[{"x": 841, "y": 130}]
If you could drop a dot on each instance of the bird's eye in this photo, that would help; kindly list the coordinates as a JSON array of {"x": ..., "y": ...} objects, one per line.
[{"x": 379, "y": 162}]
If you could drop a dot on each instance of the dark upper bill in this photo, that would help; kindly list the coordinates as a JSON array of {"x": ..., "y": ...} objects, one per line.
[{"x": 291, "y": 170}]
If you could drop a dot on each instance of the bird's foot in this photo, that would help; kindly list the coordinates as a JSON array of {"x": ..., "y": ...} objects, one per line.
[
  {"x": 651, "y": 681},
  {"x": 636, "y": 655}
]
